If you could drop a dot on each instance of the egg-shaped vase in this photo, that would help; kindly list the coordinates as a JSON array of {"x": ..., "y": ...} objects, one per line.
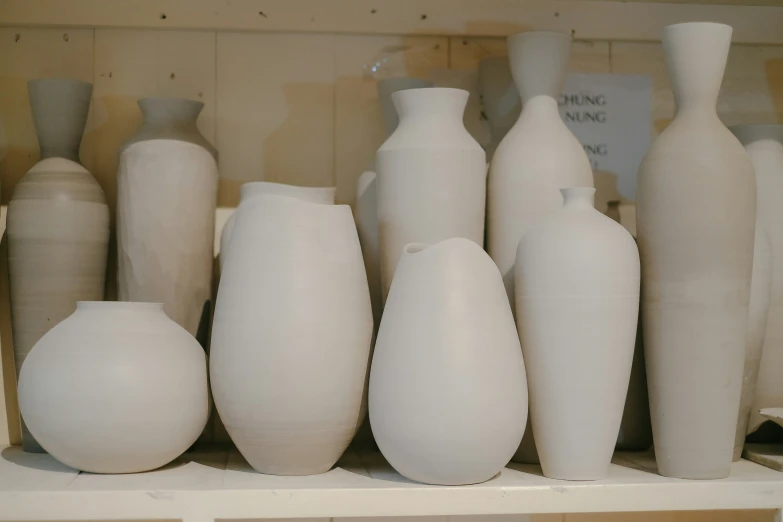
[
  {"x": 167, "y": 183},
  {"x": 322, "y": 195},
  {"x": 764, "y": 145},
  {"x": 758, "y": 310},
  {"x": 115, "y": 388},
  {"x": 538, "y": 156},
  {"x": 696, "y": 262},
  {"x": 448, "y": 393},
  {"x": 291, "y": 335},
  {"x": 58, "y": 224},
  {"x": 431, "y": 176},
  {"x": 577, "y": 302}
]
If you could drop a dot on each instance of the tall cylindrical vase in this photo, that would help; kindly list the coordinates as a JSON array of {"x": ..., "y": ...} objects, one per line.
[
  {"x": 499, "y": 99},
  {"x": 696, "y": 262},
  {"x": 577, "y": 301},
  {"x": 764, "y": 145},
  {"x": 431, "y": 176},
  {"x": 166, "y": 197},
  {"x": 58, "y": 223},
  {"x": 538, "y": 156}
]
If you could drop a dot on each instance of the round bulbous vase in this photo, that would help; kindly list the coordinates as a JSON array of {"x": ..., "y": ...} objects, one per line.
[
  {"x": 448, "y": 395},
  {"x": 499, "y": 99},
  {"x": 431, "y": 176},
  {"x": 291, "y": 335},
  {"x": 764, "y": 145},
  {"x": 167, "y": 183},
  {"x": 577, "y": 301},
  {"x": 758, "y": 310},
  {"x": 389, "y": 86},
  {"x": 115, "y": 388},
  {"x": 322, "y": 195},
  {"x": 538, "y": 156},
  {"x": 696, "y": 263},
  {"x": 58, "y": 224}
]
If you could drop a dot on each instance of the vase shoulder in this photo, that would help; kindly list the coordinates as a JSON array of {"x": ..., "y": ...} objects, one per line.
[{"x": 59, "y": 178}]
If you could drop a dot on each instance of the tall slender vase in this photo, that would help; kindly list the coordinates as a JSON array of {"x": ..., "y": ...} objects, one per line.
[
  {"x": 322, "y": 195},
  {"x": 431, "y": 176},
  {"x": 58, "y": 223},
  {"x": 696, "y": 262},
  {"x": 291, "y": 335},
  {"x": 577, "y": 301},
  {"x": 764, "y": 145},
  {"x": 499, "y": 99},
  {"x": 538, "y": 156},
  {"x": 166, "y": 197}
]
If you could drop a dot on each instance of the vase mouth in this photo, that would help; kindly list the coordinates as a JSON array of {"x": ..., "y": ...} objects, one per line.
[
  {"x": 40, "y": 82},
  {"x": 700, "y": 26},
  {"x": 119, "y": 305},
  {"x": 429, "y": 101},
  {"x": 256, "y": 188},
  {"x": 170, "y": 110}
]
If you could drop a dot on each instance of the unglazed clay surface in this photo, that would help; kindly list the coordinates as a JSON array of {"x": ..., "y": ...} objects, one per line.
[
  {"x": 322, "y": 195},
  {"x": 538, "y": 156},
  {"x": 389, "y": 86},
  {"x": 115, "y": 388},
  {"x": 291, "y": 335},
  {"x": 431, "y": 176},
  {"x": 499, "y": 99},
  {"x": 764, "y": 145},
  {"x": 448, "y": 394},
  {"x": 696, "y": 263},
  {"x": 577, "y": 301}
]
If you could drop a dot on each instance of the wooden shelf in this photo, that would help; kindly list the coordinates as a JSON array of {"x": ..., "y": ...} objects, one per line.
[
  {"x": 219, "y": 484},
  {"x": 584, "y": 19}
]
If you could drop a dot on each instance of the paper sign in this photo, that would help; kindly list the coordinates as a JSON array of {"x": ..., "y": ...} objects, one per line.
[{"x": 611, "y": 115}]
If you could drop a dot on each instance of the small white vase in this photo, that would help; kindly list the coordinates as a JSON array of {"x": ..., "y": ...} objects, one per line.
[
  {"x": 764, "y": 145},
  {"x": 448, "y": 395},
  {"x": 322, "y": 195},
  {"x": 291, "y": 334},
  {"x": 115, "y": 388},
  {"x": 431, "y": 176},
  {"x": 697, "y": 261},
  {"x": 538, "y": 156},
  {"x": 577, "y": 301},
  {"x": 499, "y": 99},
  {"x": 760, "y": 292}
]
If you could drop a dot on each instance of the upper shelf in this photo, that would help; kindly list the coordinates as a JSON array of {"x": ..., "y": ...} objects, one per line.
[
  {"x": 584, "y": 19},
  {"x": 219, "y": 484}
]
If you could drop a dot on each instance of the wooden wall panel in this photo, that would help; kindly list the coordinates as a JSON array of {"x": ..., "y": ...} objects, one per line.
[
  {"x": 359, "y": 129},
  {"x": 131, "y": 64},
  {"x": 275, "y": 109}
]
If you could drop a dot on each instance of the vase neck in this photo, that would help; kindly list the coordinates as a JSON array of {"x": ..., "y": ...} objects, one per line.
[
  {"x": 696, "y": 55},
  {"x": 542, "y": 104},
  {"x": 432, "y": 104},
  {"x": 170, "y": 112},
  {"x": 60, "y": 109},
  {"x": 578, "y": 197},
  {"x": 539, "y": 62}
]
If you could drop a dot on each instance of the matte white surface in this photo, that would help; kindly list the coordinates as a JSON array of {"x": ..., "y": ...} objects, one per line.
[{"x": 218, "y": 484}]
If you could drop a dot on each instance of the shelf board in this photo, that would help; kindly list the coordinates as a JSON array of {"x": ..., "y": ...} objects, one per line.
[
  {"x": 219, "y": 484},
  {"x": 593, "y": 19}
]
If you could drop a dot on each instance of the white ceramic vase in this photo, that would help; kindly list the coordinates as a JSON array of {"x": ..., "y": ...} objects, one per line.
[
  {"x": 365, "y": 213},
  {"x": 115, "y": 388},
  {"x": 322, "y": 195},
  {"x": 291, "y": 335},
  {"x": 696, "y": 262},
  {"x": 764, "y": 145},
  {"x": 448, "y": 395},
  {"x": 538, "y": 156},
  {"x": 760, "y": 292},
  {"x": 431, "y": 176},
  {"x": 167, "y": 183},
  {"x": 58, "y": 224},
  {"x": 577, "y": 300},
  {"x": 499, "y": 99}
]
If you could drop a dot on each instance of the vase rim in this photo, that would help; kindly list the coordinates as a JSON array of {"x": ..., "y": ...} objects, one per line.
[
  {"x": 293, "y": 199},
  {"x": 550, "y": 34},
  {"x": 702, "y": 25},
  {"x": 119, "y": 305},
  {"x": 71, "y": 81}
]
